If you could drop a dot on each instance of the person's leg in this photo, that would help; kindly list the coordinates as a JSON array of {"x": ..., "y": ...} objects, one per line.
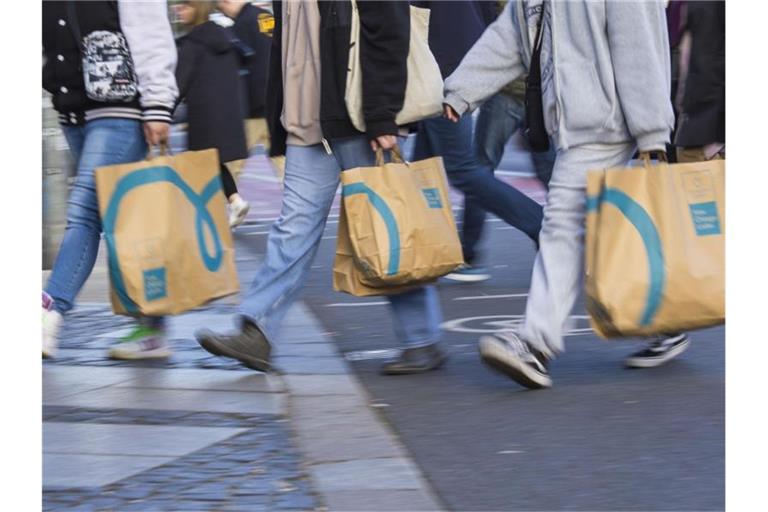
[
  {"x": 499, "y": 118},
  {"x": 104, "y": 142},
  {"x": 416, "y": 313},
  {"x": 557, "y": 271},
  {"x": 467, "y": 173},
  {"x": 311, "y": 180},
  {"x": 238, "y": 207}
]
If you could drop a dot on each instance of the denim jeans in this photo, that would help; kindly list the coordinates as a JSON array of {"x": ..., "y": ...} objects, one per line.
[
  {"x": 100, "y": 142},
  {"x": 474, "y": 177},
  {"x": 311, "y": 180},
  {"x": 499, "y": 118}
]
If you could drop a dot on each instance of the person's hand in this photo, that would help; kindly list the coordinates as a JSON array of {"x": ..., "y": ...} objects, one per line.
[
  {"x": 156, "y": 132},
  {"x": 450, "y": 114},
  {"x": 384, "y": 142}
]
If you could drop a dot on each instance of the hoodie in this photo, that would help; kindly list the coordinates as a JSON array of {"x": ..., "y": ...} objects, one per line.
[{"x": 611, "y": 70}]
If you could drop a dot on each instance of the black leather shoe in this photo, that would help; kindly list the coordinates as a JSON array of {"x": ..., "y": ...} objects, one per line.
[
  {"x": 250, "y": 346},
  {"x": 415, "y": 360}
]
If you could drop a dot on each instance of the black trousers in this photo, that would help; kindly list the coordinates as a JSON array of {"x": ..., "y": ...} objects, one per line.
[{"x": 230, "y": 187}]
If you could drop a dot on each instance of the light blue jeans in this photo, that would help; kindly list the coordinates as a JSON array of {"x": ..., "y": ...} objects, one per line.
[
  {"x": 100, "y": 142},
  {"x": 311, "y": 180}
]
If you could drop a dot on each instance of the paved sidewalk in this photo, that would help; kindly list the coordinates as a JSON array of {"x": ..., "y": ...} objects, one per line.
[{"x": 198, "y": 432}]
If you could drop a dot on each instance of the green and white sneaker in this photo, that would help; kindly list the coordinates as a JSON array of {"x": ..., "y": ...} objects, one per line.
[{"x": 142, "y": 343}]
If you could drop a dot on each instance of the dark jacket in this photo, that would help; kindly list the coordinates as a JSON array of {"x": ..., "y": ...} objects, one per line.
[
  {"x": 254, "y": 27},
  {"x": 454, "y": 26},
  {"x": 384, "y": 35},
  {"x": 703, "y": 117},
  {"x": 209, "y": 82},
  {"x": 148, "y": 34}
]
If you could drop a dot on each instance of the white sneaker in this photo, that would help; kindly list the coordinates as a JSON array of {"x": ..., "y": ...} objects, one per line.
[
  {"x": 51, "y": 324},
  {"x": 142, "y": 343},
  {"x": 238, "y": 209}
]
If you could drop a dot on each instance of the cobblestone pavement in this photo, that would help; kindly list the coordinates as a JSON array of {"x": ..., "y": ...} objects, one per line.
[{"x": 257, "y": 468}]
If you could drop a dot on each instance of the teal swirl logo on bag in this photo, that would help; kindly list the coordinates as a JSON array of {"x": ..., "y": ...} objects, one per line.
[{"x": 155, "y": 279}]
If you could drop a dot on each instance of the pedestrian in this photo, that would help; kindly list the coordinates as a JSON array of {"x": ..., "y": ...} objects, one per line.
[
  {"x": 454, "y": 26},
  {"x": 254, "y": 25},
  {"x": 107, "y": 119},
  {"x": 701, "y": 129},
  {"x": 604, "y": 76},
  {"x": 309, "y": 123},
  {"x": 209, "y": 82}
]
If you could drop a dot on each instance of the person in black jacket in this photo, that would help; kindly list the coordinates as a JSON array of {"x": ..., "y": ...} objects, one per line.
[
  {"x": 310, "y": 124},
  {"x": 109, "y": 120},
  {"x": 209, "y": 82},
  {"x": 253, "y": 26},
  {"x": 701, "y": 130}
]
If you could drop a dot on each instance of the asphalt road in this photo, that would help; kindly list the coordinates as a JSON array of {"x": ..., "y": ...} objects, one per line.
[{"x": 603, "y": 438}]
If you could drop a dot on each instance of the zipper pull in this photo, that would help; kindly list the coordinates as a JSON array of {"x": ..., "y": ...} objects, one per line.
[{"x": 327, "y": 147}]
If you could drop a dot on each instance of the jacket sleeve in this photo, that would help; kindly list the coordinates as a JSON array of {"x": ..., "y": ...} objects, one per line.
[
  {"x": 639, "y": 43},
  {"x": 185, "y": 69},
  {"x": 384, "y": 40},
  {"x": 493, "y": 62},
  {"x": 148, "y": 32}
]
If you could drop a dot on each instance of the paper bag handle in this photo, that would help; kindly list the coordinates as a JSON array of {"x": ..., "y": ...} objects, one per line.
[
  {"x": 397, "y": 157},
  {"x": 646, "y": 157},
  {"x": 163, "y": 149}
]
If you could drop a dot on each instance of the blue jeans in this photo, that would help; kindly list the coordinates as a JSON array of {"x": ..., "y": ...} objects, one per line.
[
  {"x": 499, "y": 118},
  {"x": 100, "y": 142},
  {"x": 474, "y": 177},
  {"x": 311, "y": 180}
]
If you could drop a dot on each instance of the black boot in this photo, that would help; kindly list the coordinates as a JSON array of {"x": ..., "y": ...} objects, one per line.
[
  {"x": 250, "y": 346},
  {"x": 415, "y": 360}
]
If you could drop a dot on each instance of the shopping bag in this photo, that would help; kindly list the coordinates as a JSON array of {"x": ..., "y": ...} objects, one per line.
[
  {"x": 400, "y": 222},
  {"x": 347, "y": 277},
  {"x": 655, "y": 248},
  {"x": 168, "y": 240},
  {"x": 424, "y": 87}
]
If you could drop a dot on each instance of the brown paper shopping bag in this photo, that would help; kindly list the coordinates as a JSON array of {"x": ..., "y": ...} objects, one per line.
[
  {"x": 400, "y": 222},
  {"x": 655, "y": 248},
  {"x": 165, "y": 225},
  {"x": 347, "y": 277}
]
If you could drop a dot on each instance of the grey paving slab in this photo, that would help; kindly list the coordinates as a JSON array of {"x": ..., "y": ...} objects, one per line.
[
  {"x": 305, "y": 349},
  {"x": 312, "y": 385},
  {"x": 211, "y": 380},
  {"x": 341, "y": 446},
  {"x": 185, "y": 325},
  {"x": 147, "y": 440},
  {"x": 62, "y": 381},
  {"x": 309, "y": 407},
  {"x": 177, "y": 399},
  {"x": 366, "y": 474},
  {"x": 381, "y": 501},
  {"x": 299, "y": 335},
  {"x": 79, "y": 470},
  {"x": 311, "y": 365}
]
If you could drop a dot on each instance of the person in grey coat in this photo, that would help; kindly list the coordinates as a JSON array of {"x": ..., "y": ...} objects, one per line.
[{"x": 605, "y": 92}]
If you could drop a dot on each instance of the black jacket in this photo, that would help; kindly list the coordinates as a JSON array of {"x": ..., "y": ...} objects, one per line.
[
  {"x": 384, "y": 35},
  {"x": 209, "y": 83},
  {"x": 149, "y": 36},
  {"x": 254, "y": 27},
  {"x": 454, "y": 27},
  {"x": 703, "y": 118}
]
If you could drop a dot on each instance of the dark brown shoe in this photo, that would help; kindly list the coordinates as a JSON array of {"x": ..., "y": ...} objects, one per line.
[
  {"x": 250, "y": 346},
  {"x": 415, "y": 360}
]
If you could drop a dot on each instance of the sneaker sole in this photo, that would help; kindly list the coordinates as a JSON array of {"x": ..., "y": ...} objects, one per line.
[
  {"x": 496, "y": 356},
  {"x": 240, "y": 217},
  {"x": 134, "y": 356},
  {"x": 434, "y": 366},
  {"x": 463, "y": 278},
  {"x": 254, "y": 363},
  {"x": 646, "y": 362}
]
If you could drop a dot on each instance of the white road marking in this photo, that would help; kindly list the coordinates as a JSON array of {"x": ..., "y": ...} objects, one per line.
[
  {"x": 510, "y": 452},
  {"x": 497, "y": 323},
  {"x": 355, "y": 304},
  {"x": 365, "y": 355},
  {"x": 506, "y": 296}
]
